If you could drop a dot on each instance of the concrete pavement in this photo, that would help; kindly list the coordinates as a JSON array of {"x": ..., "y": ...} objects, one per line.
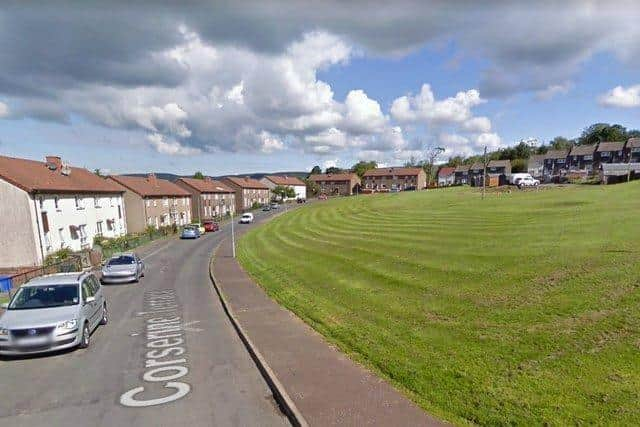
[{"x": 168, "y": 356}]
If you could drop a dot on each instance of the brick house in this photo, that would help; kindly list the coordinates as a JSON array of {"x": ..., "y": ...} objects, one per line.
[
  {"x": 632, "y": 150},
  {"x": 299, "y": 187},
  {"x": 151, "y": 201},
  {"x": 339, "y": 184},
  {"x": 476, "y": 173},
  {"x": 610, "y": 152},
  {"x": 47, "y": 206},
  {"x": 555, "y": 163},
  {"x": 248, "y": 192},
  {"x": 461, "y": 175},
  {"x": 209, "y": 198},
  {"x": 396, "y": 179},
  {"x": 581, "y": 158},
  {"x": 446, "y": 176},
  {"x": 500, "y": 169}
]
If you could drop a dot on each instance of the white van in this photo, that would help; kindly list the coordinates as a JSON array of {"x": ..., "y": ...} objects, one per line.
[
  {"x": 246, "y": 218},
  {"x": 515, "y": 177}
]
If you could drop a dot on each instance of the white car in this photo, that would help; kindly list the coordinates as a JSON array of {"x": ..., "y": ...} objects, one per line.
[
  {"x": 246, "y": 218},
  {"x": 528, "y": 182}
]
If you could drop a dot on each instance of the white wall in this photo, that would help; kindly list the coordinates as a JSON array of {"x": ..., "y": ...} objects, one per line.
[
  {"x": 88, "y": 213},
  {"x": 301, "y": 190},
  {"x": 18, "y": 230}
]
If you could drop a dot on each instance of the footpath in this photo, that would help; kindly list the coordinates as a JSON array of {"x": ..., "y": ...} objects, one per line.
[{"x": 317, "y": 384}]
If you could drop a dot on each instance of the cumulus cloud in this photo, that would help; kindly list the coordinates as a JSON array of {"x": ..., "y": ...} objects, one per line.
[
  {"x": 424, "y": 107},
  {"x": 363, "y": 114},
  {"x": 622, "y": 97},
  {"x": 169, "y": 146},
  {"x": 553, "y": 90}
]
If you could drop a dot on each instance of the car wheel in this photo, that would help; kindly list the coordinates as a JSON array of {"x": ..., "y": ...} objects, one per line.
[
  {"x": 137, "y": 278},
  {"x": 85, "y": 340},
  {"x": 105, "y": 315}
]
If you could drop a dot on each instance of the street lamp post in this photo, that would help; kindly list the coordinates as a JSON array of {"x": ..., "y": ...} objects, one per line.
[{"x": 233, "y": 236}]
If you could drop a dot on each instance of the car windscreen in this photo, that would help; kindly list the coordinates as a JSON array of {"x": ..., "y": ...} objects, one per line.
[
  {"x": 122, "y": 260},
  {"x": 46, "y": 296}
]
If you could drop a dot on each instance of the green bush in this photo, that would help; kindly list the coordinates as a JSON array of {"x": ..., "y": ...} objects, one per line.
[{"x": 58, "y": 256}]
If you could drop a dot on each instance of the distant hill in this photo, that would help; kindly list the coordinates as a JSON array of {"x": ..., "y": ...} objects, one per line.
[{"x": 257, "y": 175}]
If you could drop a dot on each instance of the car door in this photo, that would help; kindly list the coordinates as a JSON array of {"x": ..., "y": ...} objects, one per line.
[{"x": 90, "y": 309}]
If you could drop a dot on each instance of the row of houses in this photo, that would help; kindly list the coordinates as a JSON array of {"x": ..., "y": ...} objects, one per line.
[
  {"x": 584, "y": 160},
  {"x": 378, "y": 180},
  {"x": 498, "y": 172},
  {"x": 47, "y": 206}
]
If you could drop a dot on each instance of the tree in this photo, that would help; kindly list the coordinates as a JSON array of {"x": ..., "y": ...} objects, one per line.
[
  {"x": 432, "y": 156},
  {"x": 560, "y": 143},
  {"x": 312, "y": 187},
  {"x": 361, "y": 167},
  {"x": 600, "y": 132},
  {"x": 316, "y": 170},
  {"x": 198, "y": 175},
  {"x": 455, "y": 161},
  {"x": 519, "y": 165},
  {"x": 283, "y": 192},
  {"x": 413, "y": 162},
  {"x": 333, "y": 169}
]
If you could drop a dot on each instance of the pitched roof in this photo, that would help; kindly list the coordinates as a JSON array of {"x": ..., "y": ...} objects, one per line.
[
  {"x": 535, "y": 158},
  {"x": 247, "y": 182},
  {"x": 333, "y": 177},
  {"x": 610, "y": 146},
  {"x": 476, "y": 165},
  {"x": 52, "y": 176},
  {"x": 556, "y": 154},
  {"x": 446, "y": 171},
  {"x": 206, "y": 185},
  {"x": 462, "y": 168},
  {"x": 581, "y": 150},
  {"x": 149, "y": 186},
  {"x": 393, "y": 171},
  {"x": 499, "y": 163},
  {"x": 633, "y": 143},
  {"x": 285, "y": 180}
]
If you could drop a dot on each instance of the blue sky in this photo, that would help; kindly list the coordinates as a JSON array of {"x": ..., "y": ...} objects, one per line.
[{"x": 321, "y": 88}]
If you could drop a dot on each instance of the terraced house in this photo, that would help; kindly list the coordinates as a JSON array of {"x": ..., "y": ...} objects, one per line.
[
  {"x": 394, "y": 179},
  {"x": 476, "y": 174},
  {"x": 298, "y": 186},
  {"x": 461, "y": 175},
  {"x": 209, "y": 198},
  {"x": 633, "y": 150},
  {"x": 47, "y": 206},
  {"x": 610, "y": 152},
  {"x": 581, "y": 158},
  {"x": 248, "y": 192},
  {"x": 151, "y": 201},
  {"x": 337, "y": 184},
  {"x": 555, "y": 164},
  {"x": 498, "y": 172}
]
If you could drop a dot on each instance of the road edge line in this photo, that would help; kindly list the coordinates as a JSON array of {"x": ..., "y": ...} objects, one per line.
[{"x": 287, "y": 406}]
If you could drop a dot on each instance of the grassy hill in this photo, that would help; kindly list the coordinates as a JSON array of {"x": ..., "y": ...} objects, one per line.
[{"x": 523, "y": 308}]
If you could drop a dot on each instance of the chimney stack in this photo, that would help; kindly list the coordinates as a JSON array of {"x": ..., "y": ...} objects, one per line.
[
  {"x": 152, "y": 179},
  {"x": 54, "y": 162},
  {"x": 207, "y": 178}
]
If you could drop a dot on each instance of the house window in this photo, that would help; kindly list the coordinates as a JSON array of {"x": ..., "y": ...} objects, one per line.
[
  {"x": 148, "y": 203},
  {"x": 119, "y": 212},
  {"x": 96, "y": 202},
  {"x": 61, "y": 236},
  {"x": 41, "y": 202},
  {"x": 560, "y": 161},
  {"x": 588, "y": 157},
  {"x": 55, "y": 202},
  {"x": 605, "y": 154},
  {"x": 82, "y": 232},
  {"x": 165, "y": 201},
  {"x": 99, "y": 228},
  {"x": 73, "y": 232},
  {"x": 110, "y": 223},
  {"x": 155, "y": 203},
  {"x": 79, "y": 202}
]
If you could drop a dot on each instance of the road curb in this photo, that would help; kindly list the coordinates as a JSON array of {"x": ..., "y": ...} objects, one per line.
[{"x": 281, "y": 396}]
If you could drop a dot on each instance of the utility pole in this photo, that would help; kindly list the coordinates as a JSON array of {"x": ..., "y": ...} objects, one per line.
[
  {"x": 484, "y": 173},
  {"x": 233, "y": 236},
  {"x": 629, "y": 166}
]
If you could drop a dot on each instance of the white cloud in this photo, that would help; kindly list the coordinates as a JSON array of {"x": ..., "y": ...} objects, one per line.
[
  {"x": 490, "y": 140},
  {"x": 235, "y": 93},
  {"x": 331, "y": 163},
  {"x": 270, "y": 143},
  {"x": 477, "y": 125},
  {"x": 363, "y": 114},
  {"x": 169, "y": 146},
  {"x": 4, "y": 110},
  {"x": 551, "y": 91},
  {"x": 424, "y": 107},
  {"x": 329, "y": 138},
  {"x": 622, "y": 97}
]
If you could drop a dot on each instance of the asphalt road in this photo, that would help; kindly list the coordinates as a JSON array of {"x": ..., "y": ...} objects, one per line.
[{"x": 168, "y": 357}]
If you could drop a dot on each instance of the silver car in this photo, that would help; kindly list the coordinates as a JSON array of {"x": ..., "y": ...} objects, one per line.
[
  {"x": 123, "y": 268},
  {"x": 51, "y": 313}
]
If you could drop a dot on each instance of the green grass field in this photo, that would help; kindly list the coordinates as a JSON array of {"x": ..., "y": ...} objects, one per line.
[{"x": 523, "y": 308}]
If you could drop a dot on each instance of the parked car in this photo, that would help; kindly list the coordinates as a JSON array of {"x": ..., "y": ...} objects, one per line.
[
  {"x": 246, "y": 218},
  {"x": 122, "y": 268},
  {"x": 210, "y": 226},
  {"x": 274, "y": 205},
  {"x": 266, "y": 208},
  {"x": 199, "y": 226},
  {"x": 52, "y": 313},
  {"x": 527, "y": 182},
  {"x": 301, "y": 200},
  {"x": 190, "y": 233}
]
